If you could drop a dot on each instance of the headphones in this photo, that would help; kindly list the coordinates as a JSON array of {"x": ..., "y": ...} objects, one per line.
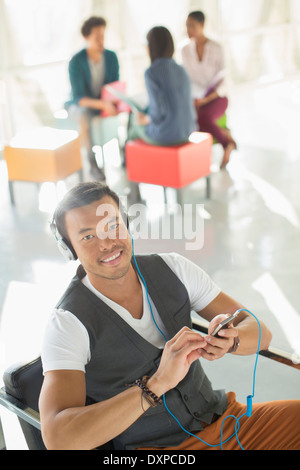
[{"x": 65, "y": 247}]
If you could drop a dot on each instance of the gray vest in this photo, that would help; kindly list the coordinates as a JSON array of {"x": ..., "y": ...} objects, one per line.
[{"x": 119, "y": 355}]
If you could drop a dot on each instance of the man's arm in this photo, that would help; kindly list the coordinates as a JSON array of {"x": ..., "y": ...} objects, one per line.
[
  {"x": 245, "y": 327},
  {"x": 96, "y": 103},
  {"x": 68, "y": 424}
]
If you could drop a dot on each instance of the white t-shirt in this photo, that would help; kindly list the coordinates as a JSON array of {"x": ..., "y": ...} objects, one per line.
[
  {"x": 66, "y": 342},
  {"x": 97, "y": 70}
]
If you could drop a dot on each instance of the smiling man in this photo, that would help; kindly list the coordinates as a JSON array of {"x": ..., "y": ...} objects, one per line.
[{"x": 122, "y": 335}]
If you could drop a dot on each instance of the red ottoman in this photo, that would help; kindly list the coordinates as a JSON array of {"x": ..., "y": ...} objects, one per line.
[{"x": 170, "y": 167}]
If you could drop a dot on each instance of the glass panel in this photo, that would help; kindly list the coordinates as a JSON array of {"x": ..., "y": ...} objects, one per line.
[
  {"x": 259, "y": 56},
  {"x": 253, "y": 14},
  {"x": 40, "y": 30}
]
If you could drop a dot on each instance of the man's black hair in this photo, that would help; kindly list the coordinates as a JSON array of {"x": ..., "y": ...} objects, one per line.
[
  {"x": 81, "y": 195},
  {"x": 91, "y": 23}
]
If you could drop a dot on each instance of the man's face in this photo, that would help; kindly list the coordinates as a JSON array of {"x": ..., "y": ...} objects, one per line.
[
  {"x": 96, "y": 38},
  {"x": 100, "y": 239}
]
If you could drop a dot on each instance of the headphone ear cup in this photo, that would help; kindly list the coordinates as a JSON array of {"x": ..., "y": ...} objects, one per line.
[{"x": 66, "y": 251}]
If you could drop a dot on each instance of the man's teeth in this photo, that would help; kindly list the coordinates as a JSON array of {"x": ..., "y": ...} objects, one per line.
[{"x": 111, "y": 258}]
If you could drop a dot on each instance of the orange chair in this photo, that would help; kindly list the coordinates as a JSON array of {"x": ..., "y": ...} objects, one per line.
[
  {"x": 42, "y": 155},
  {"x": 174, "y": 167}
]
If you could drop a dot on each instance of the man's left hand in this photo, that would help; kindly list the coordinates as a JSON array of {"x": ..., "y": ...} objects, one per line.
[{"x": 218, "y": 346}]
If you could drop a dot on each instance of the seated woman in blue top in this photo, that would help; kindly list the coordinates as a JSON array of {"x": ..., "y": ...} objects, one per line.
[
  {"x": 89, "y": 70},
  {"x": 170, "y": 117}
]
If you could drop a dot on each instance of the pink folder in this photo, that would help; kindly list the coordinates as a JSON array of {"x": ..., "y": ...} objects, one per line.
[{"x": 107, "y": 94}]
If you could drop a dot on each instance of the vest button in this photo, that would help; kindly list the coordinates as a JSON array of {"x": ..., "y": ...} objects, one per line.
[
  {"x": 186, "y": 397},
  {"x": 196, "y": 414}
]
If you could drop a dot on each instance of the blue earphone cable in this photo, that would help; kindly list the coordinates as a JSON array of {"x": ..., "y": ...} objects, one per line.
[
  {"x": 145, "y": 285},
  {"x": 249, "y": 397}
]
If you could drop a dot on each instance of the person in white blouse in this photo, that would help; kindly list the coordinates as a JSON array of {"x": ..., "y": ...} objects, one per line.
[{"x": 203, "y": 59}]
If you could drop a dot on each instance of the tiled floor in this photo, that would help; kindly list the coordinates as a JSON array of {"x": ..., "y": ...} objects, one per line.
[{"x": 248, "y": 237}]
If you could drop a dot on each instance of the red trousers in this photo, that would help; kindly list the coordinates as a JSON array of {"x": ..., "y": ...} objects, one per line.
[
  {"x": 272, "y": 425},
  {"x": 207, "y": 116}
]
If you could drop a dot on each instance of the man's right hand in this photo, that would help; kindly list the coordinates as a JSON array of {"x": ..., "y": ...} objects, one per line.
[
  {"x": 178, "y": 355},
  {"x": 110, "y": 108}
]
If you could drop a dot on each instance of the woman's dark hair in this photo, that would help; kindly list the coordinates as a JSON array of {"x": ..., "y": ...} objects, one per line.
[
  {"x": 160, "y": 43},
  {"x": 81, "y": 195},
  {"x": 90, "y": 23},
  {"x": 198, "y": 16}
]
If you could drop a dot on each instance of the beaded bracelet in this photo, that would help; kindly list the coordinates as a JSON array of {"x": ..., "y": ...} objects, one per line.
[{"x": 149, "y": 396}]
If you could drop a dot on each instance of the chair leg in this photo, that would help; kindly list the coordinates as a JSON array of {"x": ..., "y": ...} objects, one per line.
[
  {"x": 208, "y": 187},
  {"x": 134, "y": 195},
  {"x": 80, "y": 175},
  {"x": 11, "y": 192},
  {"x": 2, "y": 438},
  {"x": 179, "y": 196},
  {"x": 127, "y": 139},
  {"x": 165, "y": 196},
  {"x": 129, "y": 123}
]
